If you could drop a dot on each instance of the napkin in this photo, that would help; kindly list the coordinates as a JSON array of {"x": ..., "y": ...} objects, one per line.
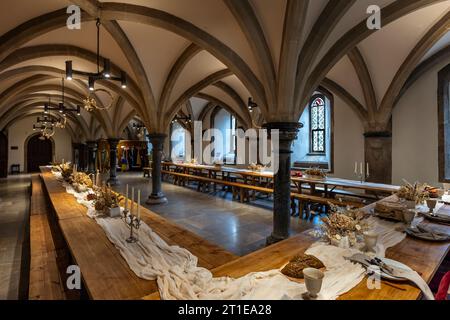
[
  {"x": 429, "y": 233},
  {"x": 410, "y": 275}
]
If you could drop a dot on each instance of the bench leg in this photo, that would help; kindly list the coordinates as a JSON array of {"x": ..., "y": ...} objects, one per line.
[
  {"x": 301, "y": 208},
  {"x": 293, "y": 208}
]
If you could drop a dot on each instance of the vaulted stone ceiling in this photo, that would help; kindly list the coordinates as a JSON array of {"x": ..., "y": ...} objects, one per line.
[{"x": 184, "y": 54}]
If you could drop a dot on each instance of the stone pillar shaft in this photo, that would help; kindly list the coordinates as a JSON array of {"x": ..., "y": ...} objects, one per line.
[
  {"x": 282, "y": 180},
  {"x": 92, "y": 153},
  {"x": 378, "y": 154},
  {"x": 113, "y": 161},
  {"x": 157, "y": 196}
]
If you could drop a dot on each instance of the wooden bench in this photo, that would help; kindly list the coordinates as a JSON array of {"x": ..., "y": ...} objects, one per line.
[
  {"x": 147, "y": 171},
  {"x": 241, "y": 188},
  {"x": 45, "y": 282},
  {"x": 305, "y": 201}
]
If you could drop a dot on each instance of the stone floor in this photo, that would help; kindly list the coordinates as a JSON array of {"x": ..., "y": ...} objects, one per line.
[
  {"x": 239, "y": 228},
  {"x": 14, "y": 204}
]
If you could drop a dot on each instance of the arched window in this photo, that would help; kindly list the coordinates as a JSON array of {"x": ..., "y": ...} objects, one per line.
[
  {"x": 178, "y": 142},
  {"x": 225, "y": 122},
  {"x": 318, "y": 123},
  {"x": 314, "y": 145}
]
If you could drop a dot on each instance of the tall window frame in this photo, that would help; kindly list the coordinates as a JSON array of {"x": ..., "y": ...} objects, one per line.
[
  {"x": 318, "y": 125},
  {"x": 233, "y": 123}
]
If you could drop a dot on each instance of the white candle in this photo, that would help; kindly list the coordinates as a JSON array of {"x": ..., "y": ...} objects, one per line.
[
  {"x": 132, "y": 200},
  {"x": 361, "y": 168},
  {"x": 97, "y": 179},
  {"x": 356, "y": 167},
  {"x": 62, "y": 161},
  {"x": 139, "y": 205},
  {"x": 126, "y": 199},
  {"x": 367, "y": 169}
]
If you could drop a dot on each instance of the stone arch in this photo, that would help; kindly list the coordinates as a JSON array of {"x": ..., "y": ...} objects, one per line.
[{"x": 25, "y": 149}]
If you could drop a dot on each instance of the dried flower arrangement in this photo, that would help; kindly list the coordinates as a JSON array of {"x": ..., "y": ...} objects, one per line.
[
  {"x": 316, "y": 172},
  {"x": 106, "y": 199},
  {"x": 256, "y": 167},
  {"x": 417, "y": 192},
  {"x": 66, "y": 170},
  {"x": 81, "y": 181},
  {"x": 343, "y": 222}
]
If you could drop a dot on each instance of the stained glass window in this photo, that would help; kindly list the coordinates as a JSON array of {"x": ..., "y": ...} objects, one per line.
[{"x": 318, "y": 124}]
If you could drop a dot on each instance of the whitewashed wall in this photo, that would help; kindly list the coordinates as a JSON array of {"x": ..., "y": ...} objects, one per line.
[
  {"x": 415, "y": 132},
  {"x": 21, "y": 130},
  {"x": 348, "y": 140}
]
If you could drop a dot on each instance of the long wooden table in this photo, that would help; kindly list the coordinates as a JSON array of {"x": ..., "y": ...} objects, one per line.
[
  {"x": 423, "y": 256},
  {"x": 106, "y": 275},
  {"x": 329, "y": 183}
]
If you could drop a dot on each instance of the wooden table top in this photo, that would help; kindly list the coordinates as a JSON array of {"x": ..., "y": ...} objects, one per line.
[
  {"x": 329, "y": 181},
  {"x": 106, "y": 274},
  {"x": 346, "y": 183},
  {"x": 423, "y": 256}
]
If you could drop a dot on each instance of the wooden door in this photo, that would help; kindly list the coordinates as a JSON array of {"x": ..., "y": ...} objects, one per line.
[
  {"x": 39, "y": 153},
  {"x": 3, "y": 155}
]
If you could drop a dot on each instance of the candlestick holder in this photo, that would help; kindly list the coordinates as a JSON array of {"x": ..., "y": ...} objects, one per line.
[{"x": 134, "y": 223}]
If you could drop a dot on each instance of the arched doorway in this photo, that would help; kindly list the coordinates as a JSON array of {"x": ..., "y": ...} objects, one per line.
[
  {"x": 38, "y": 153},
  {"x": 3, "y": 155}
]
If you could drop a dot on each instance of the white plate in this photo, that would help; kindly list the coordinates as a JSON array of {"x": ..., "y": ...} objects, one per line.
[{"x": 394, "y": 264}]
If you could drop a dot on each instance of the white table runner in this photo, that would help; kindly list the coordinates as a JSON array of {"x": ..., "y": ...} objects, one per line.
[{"x": 179, "y": 277}]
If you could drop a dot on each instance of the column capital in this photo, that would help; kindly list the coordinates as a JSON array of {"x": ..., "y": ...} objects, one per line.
[
  {"x": 157, "y": 136},
  {"x": 288, "y": 130},
  {"x": 113, "y": 142},
  {"x": 91, "y": 143}
]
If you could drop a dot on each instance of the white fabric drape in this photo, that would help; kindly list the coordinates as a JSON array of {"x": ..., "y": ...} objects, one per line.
[{"x": 179, "y": 277}]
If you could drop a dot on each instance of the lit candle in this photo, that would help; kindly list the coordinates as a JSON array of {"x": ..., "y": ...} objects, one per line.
[
  {"x": 126, "y": 199},
  {"x": 97, "y": 179},
  {"x": 139, "y": 205},
  {"x": 132, "y": 200}
]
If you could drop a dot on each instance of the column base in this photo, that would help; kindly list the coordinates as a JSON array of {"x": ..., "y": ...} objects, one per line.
[
  {"x": 156, "y": 199},
  {"x": 113, "y": 181},
  {"x": 272, "y": 239}
]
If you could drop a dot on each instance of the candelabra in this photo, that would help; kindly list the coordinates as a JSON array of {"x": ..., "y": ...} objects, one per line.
[
  {"x": 133, "y": 222},
  {"x": 363, "y": 175}
]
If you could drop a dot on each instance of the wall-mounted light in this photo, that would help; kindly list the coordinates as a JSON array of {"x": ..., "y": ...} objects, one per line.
[{"x": 251, "y": 105}]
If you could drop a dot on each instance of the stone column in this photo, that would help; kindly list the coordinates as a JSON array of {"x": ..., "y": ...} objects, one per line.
[
  {"x": 378, "y": 153},
  {"x": 92, "y": 154},
  {"x": 282, "y": 181},
  {"x": 157, "y": 196},
  {"x": 113, "y": 161}
]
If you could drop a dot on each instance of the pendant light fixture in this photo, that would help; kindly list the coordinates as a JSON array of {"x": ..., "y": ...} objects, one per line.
[
  {"x": 62, "y": 107},
  {"x": 105, "y": 74}
]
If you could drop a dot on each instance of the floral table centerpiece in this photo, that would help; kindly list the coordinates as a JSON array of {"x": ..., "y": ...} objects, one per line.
[
  {"x": 343, "y": 226},
  {"x": 315, "y": 173},
  {"x": 413, "y": 194},
  {"x": 107, "y": 201}
]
